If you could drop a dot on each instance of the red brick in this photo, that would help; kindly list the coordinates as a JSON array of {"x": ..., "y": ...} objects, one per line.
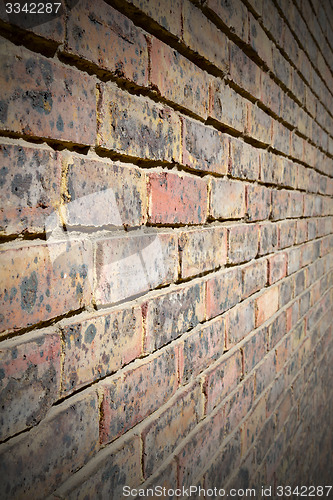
[
  {"x": 283, "y": 353},
  {"x": 200, "y": 348},
  {"x": 44, "y": 98},
  {"x": 165, "y": 478},
  {"x": 259, "y": 41},
  {"x": 284, "y": 410},
  {"x": 254, "y": 349},
  {"x": 280, "y": 204},
  {"x": 96, "y": 346},
  {"x": 204, "y": 148},
  {"x": 244, "y": 160},
  {"x": 227, "y": 199},
  {"x": 224, "y": 290},
  {"x": 277, "y": 329},
  {"x": 176, "y": 198},
  {"x": 267, "y": 304},
  {"x": 258, "y": 202},
  {"x": 202, "y": 250},
  {"x": 98, "y": 21},
  {"x": 225, "y": 463},
  {"x": 253, "y": 425},
  {"x": 296, "y": 204},
  {"x": 265, "y": 439},
  {"x": 286, "y": 291},
  {"x": 301, "y": 231},
  {"x": 221, "y": 378},
  {"x": 200, "y": 448},
  {"x": 163, "y": 434},
  {"x": 287, "y": 233},
  {"x": 265, "y": 372},
  {"x": 275, "y": 393},
  {"x": 28, "y": 197},
  {"x": 277, "y": 267},
  {"x": 137, "y": 392},
  {"x": 292, "y": 315},
  {"x": 281, "y": 137},
  {"x": 172, "y": 313},
  {"x": 226, "y": 106},
  {"x": 240, "y": 322},
  {"x": 259, "y": 124},
  {"x": 133, "y": 263},
  {"x": 30, "y": 380},
  {"x": 296, "y": 146},
  {"x": 271, "y": 94},
  {"x": 271, "y": 168},
  {"x": 104, "y": 193},
  {"x": 102, "y": 476},
  {"x": 238, "y": 404},
  {"x": 254, "y": 277},
  {"x": 234, "y": 16},
  {"x": 268, "y": 238},
  {"x": 242, "y": 242},
  {"x": 137, "y": 126},
  {"x": 281, "y": 67},
  {"x": 177, "y": 79},
  {"x": 62, "y": 443},
  {"x": 42, "y": 281},
  {"x": 244, "y": 72}
]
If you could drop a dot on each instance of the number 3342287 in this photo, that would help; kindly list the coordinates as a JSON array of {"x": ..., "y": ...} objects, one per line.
[{"x": 32, "y": 8}]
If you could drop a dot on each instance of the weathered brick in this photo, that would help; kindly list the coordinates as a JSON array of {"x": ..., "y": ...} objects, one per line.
[
  {"x": 44, "y": 280},
  {"x": 107, "y": 473},
  {"x": 275, "y": 393},
  {"x": 176, "y": 198},
  {"x": 177, "y": 79},
  {"x": 224, "y": 290},
  {"x": 271, "y": 168},
  {"x": 268, "y": 238},
  {"x": 226, "y": 106},
  {"x": 266, "y": 305},
  {"x": 30, "y": 380},
  {"x": 88, "y": 22},
  {"x": 265, "y": 372},
  {"x": 170, "y": 314},
  {"x": 244, "y": 160},
  {"x": 202, "y": 250},
  {"x": 301, "y": 231},
  {"x": 277, "y": 267},
  {"x": 244, "y": 72},
  {"x": 281, "y": 137},
  {"x": 28, "y": 198},
  {"x": 234, "y": 16},
  {"x": 200, "y": 348},
  {"x": 258, "y": 202},
  {"x": 238, "y": 404},
  {"x": 97, "y": 345},
  {"x": 265, "y": 439},
  {"x": 271, "y": 94},
  {"x": 103, "y": 193},
  {"x": 62, "y": 443},
  {"x": 259, "y": 41},
  {"x": 164, "y": 433},
  {"x": 280, "y": 204},
  {"x": 287, "y": 233},
  {"x": 201, "y": 447},
  {"x": 204, "y": 148},
  {"x": 227, "y": 199},
  {"x": 259, "y": 124},
  {"x": 59, "y": 100},
  {"x": 240, "y": 322},
  {"x": 254, "y": 277},
  {"x": 253, "y": 425},
  {"x": 136, "y": 126},
  {"x": 277, "y": 329},
  {"x": 254, "y": 349},
  {"x": 137, "y": 392},
  {"x": 221, "y": 378},
  {"x": 214, "y": 46},
  {"x": 283, "y": 353},
  {"x": 242, "y": 242},
  {"x": 225, "y": 464},
  {"x": 134, "y": 263},
  {"x": 296, "y": 204}
]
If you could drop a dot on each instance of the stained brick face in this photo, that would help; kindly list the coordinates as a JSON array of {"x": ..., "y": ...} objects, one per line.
[{"x": 166, "y": 175}]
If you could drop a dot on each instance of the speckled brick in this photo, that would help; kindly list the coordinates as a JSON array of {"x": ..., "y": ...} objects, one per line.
[
  {"x": 254, "y": 349},
  {"x": 239, "y": 404},
  {"x": 221, "y": 378},
  {"x": 137, "y": 392},
  {"x": 36, "y": 463},
  {"x": 234, "y": 15},
  {"x": 200, "y": 348},
  {"x": 30, "y": 187},
  {"x": 224, "y": 290},
  {"x": 204, "y": 148},
  {"x": 268, "y": 238},
  {"x": 42, "y": 281},
  {"x": 106, "y": 474},
  {"x": 104, "y": 193},
  {"x": 242, "y": 242},
  {"x": 133, "y": 263},
  {"x": 277, "y": 267},
  {"x": 267, "y": 304},
  {"x": 258, "y": 202},
  {"x": 244, "y": 72},
  {"x": 98, "y": 345},
  {"x": 240, "y": 322},
  {"x": 89, "y": 22},
  {"x": 169, "y": 314},
  {"x": 177, "y": 198},
  {"x": 226, "y": 106},
  {"x": 227, "y": 199},
  {"x": 259, "y": 124},
  {"x": 225, "y": 463},
  {"x": 244, "y": 160},
  {"x": 254, "y": 277},
  {"x": 137, "y": 126},
  {"x": 44, "y": 98},
  {"x": 163, "y": 434},
  {"x": 202, "y": 250},
  {"x": 30, "y": 380},
  {"x": 178, "y": 79},
  {"x": 253, "y": 425}
]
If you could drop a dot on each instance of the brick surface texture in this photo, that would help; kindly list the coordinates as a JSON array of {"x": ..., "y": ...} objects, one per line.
[{"x": 166, "y": 249}]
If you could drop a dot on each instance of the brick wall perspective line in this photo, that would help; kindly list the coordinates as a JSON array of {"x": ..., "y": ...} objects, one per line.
[{"x": 166, "y": 247}]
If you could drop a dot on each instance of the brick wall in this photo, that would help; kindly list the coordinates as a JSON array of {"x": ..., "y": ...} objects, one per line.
[{"x": 166, "y": 247}]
